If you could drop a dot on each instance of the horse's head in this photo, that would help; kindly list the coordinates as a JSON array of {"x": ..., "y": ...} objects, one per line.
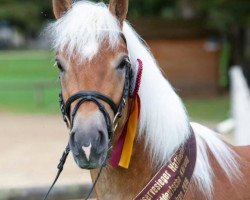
[{"x": 92, "y": 64}]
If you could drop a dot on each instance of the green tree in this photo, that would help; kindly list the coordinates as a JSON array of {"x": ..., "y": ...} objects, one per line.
[
  {"x": 149, "y": 8},
  {"x": 231, "y": 18},
  {"x": 28, "y": 16}
]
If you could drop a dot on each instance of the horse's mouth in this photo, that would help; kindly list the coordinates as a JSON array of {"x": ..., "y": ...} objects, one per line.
[
  {"x": 93, "y": 162},
  {"x": 89, "y": 165},
  {"x": 85, "y": 166}
]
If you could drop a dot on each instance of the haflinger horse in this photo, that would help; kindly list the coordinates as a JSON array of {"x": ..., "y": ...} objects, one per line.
[{"x": 124, "y": 116}]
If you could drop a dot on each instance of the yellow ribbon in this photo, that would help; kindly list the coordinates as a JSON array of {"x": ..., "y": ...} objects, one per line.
[{"x": 130, "y": 135}]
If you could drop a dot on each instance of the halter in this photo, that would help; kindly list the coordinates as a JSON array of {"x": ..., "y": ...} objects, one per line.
[
  {"x": 97, "y": 98},
  {"x": 94, "y": 96},
  {"x": 69, "y": 114}
]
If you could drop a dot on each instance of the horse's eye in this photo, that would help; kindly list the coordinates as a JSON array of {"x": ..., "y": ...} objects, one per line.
[
  {"x": 123, "y": 64},
  {"x": 59, "y": 65}
]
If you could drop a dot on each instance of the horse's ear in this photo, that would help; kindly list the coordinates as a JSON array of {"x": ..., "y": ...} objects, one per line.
[
  {"x": 60, "y": 7},
  {"x": 119, "y": 8}
]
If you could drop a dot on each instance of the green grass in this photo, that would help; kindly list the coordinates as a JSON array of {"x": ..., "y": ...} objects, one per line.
[
  {"x": 209, "y": 109},
  {"x": 26, "y": 66},
  {"x": 26, "y": 101},
  {"x": 20, "y": 72}
]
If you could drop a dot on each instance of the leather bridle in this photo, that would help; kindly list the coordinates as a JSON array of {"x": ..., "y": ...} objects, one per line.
[
  {"x": 98, "y": 98},
  {"x": 81, "y": 97}
]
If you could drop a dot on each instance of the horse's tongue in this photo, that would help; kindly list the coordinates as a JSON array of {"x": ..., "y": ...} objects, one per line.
[{"x": 117, "y": 150}]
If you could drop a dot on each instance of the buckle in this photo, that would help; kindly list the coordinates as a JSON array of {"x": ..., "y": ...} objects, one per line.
[
  {"x": 67, "y": 121},
  {"x": 116, "y": 121}
]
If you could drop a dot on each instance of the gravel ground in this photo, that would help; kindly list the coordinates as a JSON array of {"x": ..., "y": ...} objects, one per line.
[{"x": 30, "y": 147}]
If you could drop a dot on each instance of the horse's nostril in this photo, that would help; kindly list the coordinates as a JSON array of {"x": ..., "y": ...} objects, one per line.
[
  {"x": 101, "y": 141},
  {"x": 73, "y": 144},
  {"x": 72, "y": 134},
  {"x": 101, "y": 138},
  {"x": 84, "y": 137}
]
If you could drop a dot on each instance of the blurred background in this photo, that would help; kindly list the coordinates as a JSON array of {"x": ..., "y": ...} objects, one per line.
[{"x": 196, "y": 42}]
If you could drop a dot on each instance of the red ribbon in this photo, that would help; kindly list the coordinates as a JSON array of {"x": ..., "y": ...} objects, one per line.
[{"x": 117, "y": 149}]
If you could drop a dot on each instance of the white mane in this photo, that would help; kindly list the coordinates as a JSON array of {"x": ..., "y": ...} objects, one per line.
[
  {"x": 160, "y": 106},
  {"x": 165, "y": 125},
  {"x": 83, "y": 29},
  {"x": 163, "y": 120}
]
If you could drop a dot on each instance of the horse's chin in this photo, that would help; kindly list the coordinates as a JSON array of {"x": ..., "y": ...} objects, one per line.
[
  {"x": 88, "y": 153},
  {"x": 87, "y": 167},
  {"x": 91, "y": 164}
]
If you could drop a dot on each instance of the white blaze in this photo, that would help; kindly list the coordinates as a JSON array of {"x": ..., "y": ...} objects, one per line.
[{"x": 87, "y": 151}]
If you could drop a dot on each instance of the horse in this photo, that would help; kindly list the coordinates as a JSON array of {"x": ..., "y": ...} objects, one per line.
[{"x": 97, "y": 50}]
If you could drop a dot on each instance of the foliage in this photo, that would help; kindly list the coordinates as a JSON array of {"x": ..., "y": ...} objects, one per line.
[
  {"x": 28, "y": 15},
  {"x": 226, "y": 14},
  {"x": 149, "y": 8}
]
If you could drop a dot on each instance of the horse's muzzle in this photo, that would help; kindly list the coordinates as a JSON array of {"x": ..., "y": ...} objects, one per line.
[{"x": 89, "y": 143}]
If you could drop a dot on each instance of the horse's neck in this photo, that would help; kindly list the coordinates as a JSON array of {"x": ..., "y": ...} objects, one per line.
[
  {"x": 118, "y": 183},
  {"x": 223, "y": 189}
]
